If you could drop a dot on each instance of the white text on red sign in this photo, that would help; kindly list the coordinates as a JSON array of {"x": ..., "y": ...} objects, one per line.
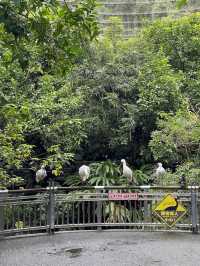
[{"x": 122, "y": 196}]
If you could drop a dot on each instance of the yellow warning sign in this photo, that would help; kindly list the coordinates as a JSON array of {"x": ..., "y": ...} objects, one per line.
[{"x": 170, "y": 210}]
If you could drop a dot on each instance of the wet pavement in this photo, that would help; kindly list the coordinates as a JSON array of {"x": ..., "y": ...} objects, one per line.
[{"x": 108, "y": 248}]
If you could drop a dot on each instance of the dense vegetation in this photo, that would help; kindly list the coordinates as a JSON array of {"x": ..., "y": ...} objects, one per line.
[{"x": 68, "y": 98}]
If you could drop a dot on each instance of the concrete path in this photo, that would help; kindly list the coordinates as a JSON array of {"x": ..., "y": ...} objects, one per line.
[{"x": 102, "y": 249}]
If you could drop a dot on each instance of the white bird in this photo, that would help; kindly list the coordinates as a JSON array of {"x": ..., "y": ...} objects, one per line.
[
  {"x": 127, "y": 172},
  {"x": 84, "y": 172},
  {"x": 41, "y": 174},
  {"x": 160, "y": 170}
]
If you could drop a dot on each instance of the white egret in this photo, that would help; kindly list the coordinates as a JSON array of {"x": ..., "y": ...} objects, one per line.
[
  {"x": 41, "y": 174},
  {"x": 160, "y": 170},
  {"x": 127, "y": 172},
  {"x": 84, "y": 172}
]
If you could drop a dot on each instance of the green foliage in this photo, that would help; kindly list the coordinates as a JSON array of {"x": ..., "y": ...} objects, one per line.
[
  {"x": 131, "y": 84},
  {"x": 7, "y": 181},
  {"x": 190, "y": 170},
  {"x": 117, "y": 213},
  {"x": 19, "y": 225},
  {"x": 114, "y": 31},
  {"x": 168, "y": 179},
  {"x": 126, "y": 85},
  {"x": 123, "y": 99},
  {"x": 72, "y": 180},
  {"x": 141, "y": 177},
  {"x": 181, "y": 3},
  {"x": 61, "y": 29},
  {"x": 177, "y": 137},
  {"x": 159, "y": 87},
  {"x": 104, "y": 174},
  {"x": 39, "y": 112},
  {"x": 179, "y": 40}
]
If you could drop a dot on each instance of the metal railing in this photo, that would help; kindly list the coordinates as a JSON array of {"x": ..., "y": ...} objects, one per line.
[{"x": 66, "y": 208}]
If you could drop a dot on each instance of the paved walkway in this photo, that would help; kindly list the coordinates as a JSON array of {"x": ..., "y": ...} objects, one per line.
[{"x": 102, "y": 249}]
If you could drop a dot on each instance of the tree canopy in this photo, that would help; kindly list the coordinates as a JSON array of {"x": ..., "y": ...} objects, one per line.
[
  {"x": 68, "y": 94},
  {"x": 39, "y": 43}
]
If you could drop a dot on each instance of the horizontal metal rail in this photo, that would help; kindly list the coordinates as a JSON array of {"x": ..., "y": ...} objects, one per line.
[
  {"x": 135, "y": 2},
  {"x": 72, "y": 188},
  {"x": 147, "y": 13}
]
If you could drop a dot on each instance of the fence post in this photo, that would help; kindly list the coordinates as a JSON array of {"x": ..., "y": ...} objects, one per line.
[
  {"x": 145, "y": 206},
  {"x": 194, "y": 197},
  {"x": 3, "y": 197},
  {"x": 51, "y": 208},
  {"x": 99, "y": 208}
]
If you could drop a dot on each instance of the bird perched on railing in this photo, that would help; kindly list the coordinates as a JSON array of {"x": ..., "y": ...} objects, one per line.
[
  {"x": 84, "y": 173},
  {"x": 41, "y": 174},
  {"x": 160, "y": 170},
  {"x": 127, "y": 172}
]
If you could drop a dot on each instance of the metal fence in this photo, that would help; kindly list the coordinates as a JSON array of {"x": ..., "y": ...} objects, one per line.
[{"x": 64, "y": 208}]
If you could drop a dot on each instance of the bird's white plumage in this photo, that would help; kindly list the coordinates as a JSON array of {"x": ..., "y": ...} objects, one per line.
[
  {"x": 41, "y": 174},
  {"x": 84, "y": 172},
  {"x": 160, "y": 170},
  {"x": 127, "y": 172}
]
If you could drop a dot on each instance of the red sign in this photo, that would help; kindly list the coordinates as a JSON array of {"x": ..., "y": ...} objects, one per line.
[{"x": 122, "y": 196}]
